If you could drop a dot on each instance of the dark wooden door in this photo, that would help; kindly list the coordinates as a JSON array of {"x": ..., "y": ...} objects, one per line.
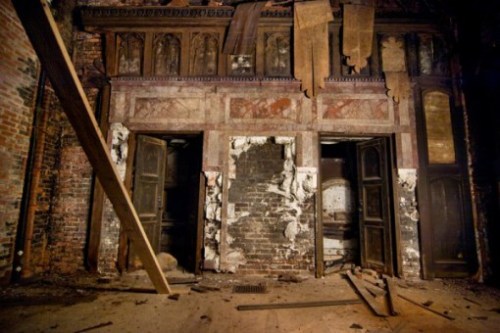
[
  {"x": 149, "y": 176},
  {"x": 375, "y": 221},
  {"x": 447, "y": 231}
]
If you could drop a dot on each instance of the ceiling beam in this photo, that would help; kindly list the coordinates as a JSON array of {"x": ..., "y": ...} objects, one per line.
[{"x": 44, "y": 35}]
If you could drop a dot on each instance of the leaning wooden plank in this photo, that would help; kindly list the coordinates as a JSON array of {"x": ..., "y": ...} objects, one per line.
[
  {"x": 426, "y": 308},
  {"x": 42, "y": 31},
  {"x": 247, "y": 307},
  {"x": 360, "y": 288},
  {"x": 391, "y": 296}
]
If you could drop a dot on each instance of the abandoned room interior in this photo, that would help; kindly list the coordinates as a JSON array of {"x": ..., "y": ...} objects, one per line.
[{"x": 191, "y": 147}]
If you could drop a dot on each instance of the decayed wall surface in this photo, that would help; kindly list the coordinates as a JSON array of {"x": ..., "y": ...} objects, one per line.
[
  {"x": 224, "y": 111},
  {"x": 18, "y": 72}
]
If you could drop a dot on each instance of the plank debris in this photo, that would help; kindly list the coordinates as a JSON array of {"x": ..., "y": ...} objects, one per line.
[{"x": 297, "y": 305}]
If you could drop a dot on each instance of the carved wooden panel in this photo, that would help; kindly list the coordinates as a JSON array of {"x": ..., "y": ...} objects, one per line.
[
  {"x": 204, "y": 54},
  {"x": 440, "y": 145},
  {"x": 241, "y": 65},
  {"x": 277, "y": 54},
  {"x": 166, "y": 54},
  {"x": 432, "y": 55},
  {"x": 130, "y": 53}
]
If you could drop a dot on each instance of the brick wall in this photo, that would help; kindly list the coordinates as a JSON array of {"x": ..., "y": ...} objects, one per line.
[
  {"x": 18, "y": 79},
  {"x": 263, "y": 216}
]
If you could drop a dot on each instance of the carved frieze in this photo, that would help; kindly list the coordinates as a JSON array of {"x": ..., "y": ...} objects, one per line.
[
  {"x": 130, "y": 53},
  {"x": 242, "y": 64},
  {"x": 147, "y": 108},
  {"x": 204, "y": 54},
  {"x": 263, "y": 108},
  {"x": 166, "y": 54},
  {"x": 277, "y": 54},
  {"x": 355, "y": 109}
]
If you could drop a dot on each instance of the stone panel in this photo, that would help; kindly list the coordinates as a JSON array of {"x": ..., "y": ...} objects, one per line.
[
  {"x": 356, "y": 109},
  {"x": 262, "y": 109},
  {"x": 169, "y": 108}
]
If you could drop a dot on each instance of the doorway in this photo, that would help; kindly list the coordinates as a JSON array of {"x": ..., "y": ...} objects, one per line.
[
  {"x": 357, "y": 203},
  {"x": 166, "y": 194}
]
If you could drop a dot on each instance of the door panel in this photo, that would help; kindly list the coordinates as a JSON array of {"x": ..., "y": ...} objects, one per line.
[
  {"x": 148, "y": 186},
  {"x": 374, "y": 205}
]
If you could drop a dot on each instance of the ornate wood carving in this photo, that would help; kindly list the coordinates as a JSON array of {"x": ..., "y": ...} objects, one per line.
[
  {"x": 167, "y": 53},
  {"x": 130, "y": 53},
  {"x": 277, "y": 54},
  {"x": 242, "y": 64},
  {"x": 358, "y": 34},
  {"x": 204, "y": 54},
  {"x": 311, "y": 55},
  {"x": 394, "y": 67}
]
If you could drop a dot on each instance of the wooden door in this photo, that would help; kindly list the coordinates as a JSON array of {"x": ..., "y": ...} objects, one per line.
[
  {"x": 149, "y": 176},
  {"x": 447, "y": 232},
  {"x": 375, "y": 223}
]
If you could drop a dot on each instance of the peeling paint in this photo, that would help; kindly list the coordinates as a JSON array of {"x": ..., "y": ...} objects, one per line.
[
  {"x": 119, "y": 147},
  {"x": 213, "y": 219},
  {"x": 409, "y": 219}
]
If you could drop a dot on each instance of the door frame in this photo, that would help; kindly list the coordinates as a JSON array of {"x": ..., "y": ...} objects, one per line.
[
  {"x": 123, "y": 248},
  {"x": 393, "y": 198}
]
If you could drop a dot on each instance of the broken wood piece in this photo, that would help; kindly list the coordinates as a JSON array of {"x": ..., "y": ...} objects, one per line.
[
  {"x": 182, "y": 280},
  {"x": 95, "y": 327},
  {"x": 472, "y": 301},
  {"x": 426, "y": 308},
  {"x": 48, "y": 44},
  {"x": 375, "y": 291},
  {"x": 297, "y": 305},
  {"x": 360, "y": 288},
  {"x": 391, "y": 296},
  {"x": 204, "y": 289},
  {"x": 175, "y": 297}
]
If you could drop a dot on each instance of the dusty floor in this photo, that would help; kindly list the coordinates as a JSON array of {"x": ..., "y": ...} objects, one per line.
[{"x": 80, "y": 305}]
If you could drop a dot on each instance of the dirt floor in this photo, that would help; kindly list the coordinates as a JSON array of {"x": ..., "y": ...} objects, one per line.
[{"x": 216, "y": 303}]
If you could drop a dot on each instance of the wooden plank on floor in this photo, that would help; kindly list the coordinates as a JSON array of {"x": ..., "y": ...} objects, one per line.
[
  {"x": 360, "y": 288},
  {"x": 44, "y": 35},
  {"x": 297, "y": 305},
  {"x": 392, "y": 294}
]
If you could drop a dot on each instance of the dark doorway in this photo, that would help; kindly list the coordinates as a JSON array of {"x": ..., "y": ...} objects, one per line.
[
  {"x": 172, "y": 217},
  {"x": 357, "y": 215}
]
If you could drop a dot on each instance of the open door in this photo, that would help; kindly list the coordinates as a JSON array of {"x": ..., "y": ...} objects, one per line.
[
  {"x": 374, "y": 205},
  {"x": 148, "y": 187}
]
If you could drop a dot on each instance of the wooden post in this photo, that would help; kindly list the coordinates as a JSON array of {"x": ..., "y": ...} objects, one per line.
[{"x": 42, "y": 31}]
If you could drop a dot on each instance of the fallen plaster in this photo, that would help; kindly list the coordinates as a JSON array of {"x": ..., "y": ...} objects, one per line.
[
  {"x": 119, "y": 147},
  {"x": 213, "y": 220},
  {"x": 409, "y": 219},
  {"x": 110, "y": 232}
]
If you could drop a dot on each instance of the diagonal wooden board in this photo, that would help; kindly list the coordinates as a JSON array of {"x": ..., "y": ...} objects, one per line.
[{"x": 44, "y": 35}]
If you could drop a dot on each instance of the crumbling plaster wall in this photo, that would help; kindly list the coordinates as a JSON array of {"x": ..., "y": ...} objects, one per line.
[{"x": 223, "y": 110}]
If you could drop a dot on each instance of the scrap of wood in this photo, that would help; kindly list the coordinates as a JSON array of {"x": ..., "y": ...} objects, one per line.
[
  {"x": 297, "y": 305},
  {"x": 472, "y": 301},
  {"x": 391, "y": 296},
  {"x": 375, "y": 291},
  {"x": 426, "y": 308},
  {"x": 37, "y": 19},
  {"x": 360, "y": 288},
  {"x": 204, "y": 289},
  {"x": 95, "y": 327}
]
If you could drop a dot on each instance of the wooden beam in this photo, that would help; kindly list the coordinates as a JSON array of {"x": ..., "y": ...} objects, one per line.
[
  {"x": 358, "y": 285},
  {"x": 247, "y": 307},
  {"x": 44, "y": 35}
]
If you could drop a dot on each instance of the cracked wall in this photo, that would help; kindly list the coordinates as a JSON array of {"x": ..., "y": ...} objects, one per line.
[{"x": 270, "y": 211}]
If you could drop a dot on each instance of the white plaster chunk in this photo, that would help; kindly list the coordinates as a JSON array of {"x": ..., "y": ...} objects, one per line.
[
  {"x": 329, "y": 243},
  {"x": 238, "y": 142},
  {"x": 407, "y": 178},
  {"x": 284, "y": 140},
  {"x": 231, "y": 212},
  {"x": 337, "y": 197},
  {"x": 229, "y": 239},
  {"x": 211, "y": 177},
  {"x": 257, "y": 140},
  {"x": 412, "y": 253},
  {"x": 211, "y": 211},
  {"x": 233, "y": 259},
  {"x": 291, "y": 231},
  {"x": 119, "y": 147}
]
